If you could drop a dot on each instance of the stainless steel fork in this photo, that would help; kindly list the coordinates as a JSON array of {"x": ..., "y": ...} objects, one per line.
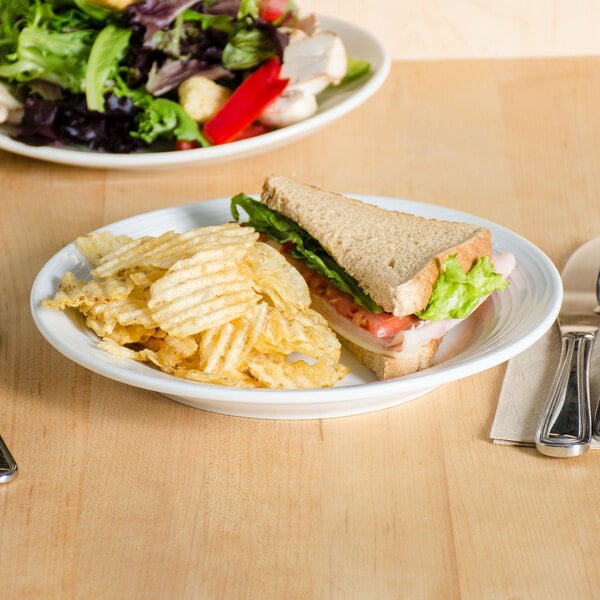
[
  {"x": 596, "y": 423},
  {"x": 8, "y": 465}
]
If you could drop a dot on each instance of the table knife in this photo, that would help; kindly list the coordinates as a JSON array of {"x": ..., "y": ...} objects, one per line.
[{"x": 565, "y": 427}]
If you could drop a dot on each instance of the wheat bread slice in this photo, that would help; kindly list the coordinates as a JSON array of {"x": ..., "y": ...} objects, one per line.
[
  {"x": 395, "y": 256},
  {"x": 387, "y": 367}
]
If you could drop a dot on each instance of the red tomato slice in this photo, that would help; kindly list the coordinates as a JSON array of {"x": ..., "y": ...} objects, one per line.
[
  {"x": 186, "y": 144},
  {"x": 381, "y": 325},
  {"x": 272, "y": 10},
  {"x": 252, "y": 130}
]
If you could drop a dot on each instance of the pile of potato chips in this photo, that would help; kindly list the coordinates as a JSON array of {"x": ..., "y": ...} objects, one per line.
[{"x": 212, "y": 304}]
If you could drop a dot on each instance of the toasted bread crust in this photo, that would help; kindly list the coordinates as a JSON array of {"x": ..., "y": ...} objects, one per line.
[
  {"x": 396, "y": 257},
  {"x": 386, "y": 367},
  {"x": 407, "y": 298}
]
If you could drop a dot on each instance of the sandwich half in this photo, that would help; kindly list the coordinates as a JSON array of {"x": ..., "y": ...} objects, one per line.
[{"x": 391, "y": 284}]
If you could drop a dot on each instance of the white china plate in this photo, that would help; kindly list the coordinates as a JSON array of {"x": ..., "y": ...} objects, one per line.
[
  {"x": 333, "y": 105},
  {"x": 503, "y": 326}
]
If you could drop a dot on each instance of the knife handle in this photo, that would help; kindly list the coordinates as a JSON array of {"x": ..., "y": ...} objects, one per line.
[{"x": 565, "y": 425}]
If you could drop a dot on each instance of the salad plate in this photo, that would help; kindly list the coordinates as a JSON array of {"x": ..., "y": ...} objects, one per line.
[
  {"x": 504, "y": 325},
  {"x": 333, "y": 104}
]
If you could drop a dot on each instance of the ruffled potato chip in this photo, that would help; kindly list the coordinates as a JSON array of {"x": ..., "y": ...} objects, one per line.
[
  {"x": 167, "y": 249},
  {"x": 281, "y": 371},
  {"x": 276, "y": 279},
  {"x": 212, "y": 305},
  {"x": 73, "y": 292},
  {"x": 307, "y": 333},
  {"x": 98, "y": 244},
  {"x": 225, "y": 348},
  {"x": 232, "y": 378}
]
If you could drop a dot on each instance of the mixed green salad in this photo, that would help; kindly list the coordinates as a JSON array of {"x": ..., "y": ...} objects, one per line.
[{"x": 121, "y": 75}]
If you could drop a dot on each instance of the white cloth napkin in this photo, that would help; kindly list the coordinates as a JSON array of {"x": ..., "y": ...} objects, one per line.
[{"x": 526, "y": 386}]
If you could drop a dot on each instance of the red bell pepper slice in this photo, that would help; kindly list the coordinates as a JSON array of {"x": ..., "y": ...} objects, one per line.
[{"x": 246, "y": 103}]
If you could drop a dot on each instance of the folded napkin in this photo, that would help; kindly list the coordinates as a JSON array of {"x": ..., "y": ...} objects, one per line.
[{"x": 526, "y": 386}]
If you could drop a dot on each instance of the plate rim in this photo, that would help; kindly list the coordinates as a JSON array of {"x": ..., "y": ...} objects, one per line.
[
  {"x": 426, "y": 379},
  {"x": 232, "y": 150}
]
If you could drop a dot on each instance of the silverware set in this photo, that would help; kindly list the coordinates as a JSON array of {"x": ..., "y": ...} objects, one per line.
[{"x": 565, "y": 427}]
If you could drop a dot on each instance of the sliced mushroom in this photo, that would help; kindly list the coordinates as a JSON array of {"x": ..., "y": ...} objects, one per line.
[
  {"x": 294, "y": 34},
  {"x": 292, "y": 106},
  {"x": 11, "y": 110}
]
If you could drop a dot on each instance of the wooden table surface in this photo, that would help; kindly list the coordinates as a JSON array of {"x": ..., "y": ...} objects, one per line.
[{"x": 123, "y": 493}]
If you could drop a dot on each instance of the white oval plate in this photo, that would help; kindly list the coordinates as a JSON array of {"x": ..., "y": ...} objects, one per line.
[
  {"x": 503, "y": 326},
  {"x": 333, "y": 105}
]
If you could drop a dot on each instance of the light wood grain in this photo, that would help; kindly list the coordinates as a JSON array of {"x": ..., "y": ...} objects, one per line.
[
  {"x": 430, "y": 29},
  {"x": 126, "y": 494}
]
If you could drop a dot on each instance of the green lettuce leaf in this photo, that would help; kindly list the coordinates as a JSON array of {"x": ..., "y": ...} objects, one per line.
[
  {"x": 58, "y": 58},
  {"x": 248, "y": 48},
  {"x": 222, "y": 23},
  {"x": 356, "y": 68},
  {"x": 96, "y": 12},
  {"x": 163, "y": 118},
  {"x": 39, "y": 42},
  {"x": 284, "y": 230},
  {"x": 14, "y": 16},
  {"x": 248, "y": 8},
  {"x": 456, "y": 293},
  {"x": 109, "y": 48}
]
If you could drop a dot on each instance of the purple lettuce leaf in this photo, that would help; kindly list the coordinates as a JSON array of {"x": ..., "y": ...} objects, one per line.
[
  {"x": 173, "y": 72},
  {"x": 229, "y": 8},
  {"x": 69, "y": 122},
  {"x": 156, "y": 14}
]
